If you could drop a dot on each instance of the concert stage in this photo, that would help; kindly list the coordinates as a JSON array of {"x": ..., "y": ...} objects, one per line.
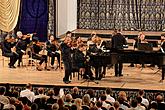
[{"x": 134, "y": 78}]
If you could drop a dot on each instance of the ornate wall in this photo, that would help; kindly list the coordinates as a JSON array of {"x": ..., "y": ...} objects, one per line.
[{"x": 148, "y": 15}]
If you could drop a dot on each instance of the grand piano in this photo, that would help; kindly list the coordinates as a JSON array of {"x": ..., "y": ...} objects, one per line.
[{"x": 129, "y": 56}]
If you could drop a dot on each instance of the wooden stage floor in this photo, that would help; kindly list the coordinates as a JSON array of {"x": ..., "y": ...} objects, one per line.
[{"x": 134, "y": 78}]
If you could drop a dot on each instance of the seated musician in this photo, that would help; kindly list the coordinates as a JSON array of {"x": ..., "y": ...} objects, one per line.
[
  {"x": 81, "y": 62},
  {"x": 93, "y": 50},
  {"x": 52, "y": 47},
  {"x": 21, "y": 45},
  {"x": 139, "y": 39},
  {"x": 9, "y": 51},
  {"x": 78, "y": 40},
  {"x": 37, "y": 47}
]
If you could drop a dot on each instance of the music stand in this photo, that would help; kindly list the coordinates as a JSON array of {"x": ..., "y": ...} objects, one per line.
[
  {"x": 89, "y": 80},
  {"x": 146, "y": 47}
]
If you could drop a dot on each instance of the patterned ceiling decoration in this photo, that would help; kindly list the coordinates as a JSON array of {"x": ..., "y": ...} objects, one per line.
[{"x": 147, "y": 15}]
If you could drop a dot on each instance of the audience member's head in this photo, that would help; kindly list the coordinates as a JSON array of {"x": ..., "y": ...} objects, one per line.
[
  {"x": 50, "y": 93},
  {"x": 34, "y": 106},
  {"x": 108, "y": 91},
  {"x": 154, "y": 105},
  {"x": 139, "y": 100},
  {"x": 103, "y": 97},
  {"x": 2, "y": 90},
  {"x": 159, "y": 98},
  {"x": 122, "y": 95},
  {"x": 75, "y": 90},
  {"x": 55, "y": 106},
  {"x": 91, "y": 93},
  {"x": 56, "y": 91},
  {"x": 141, "y": 93},
  {"x": 99, "y": 104},
  {"x": 112, "y": 108},
  {"x": 78, "y": 103},
  {"x": 29, "y": 86},
  {"x": 134, "y": 103},
  {"x": 24, "y": 100},
  {"x": 68, "y": 98},
  {"x": 86, "y": 99},
  {"x": 40, "y": 90},
  {"x": 116, "y": 104}
]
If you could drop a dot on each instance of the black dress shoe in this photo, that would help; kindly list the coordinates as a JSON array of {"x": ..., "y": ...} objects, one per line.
[
  {"x": 67, "y": 82},
  {"x": 12, "y": 67}
]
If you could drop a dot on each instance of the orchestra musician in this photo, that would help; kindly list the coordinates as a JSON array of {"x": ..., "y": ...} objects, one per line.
[
  {"x": 162, "y": 44},
  {"x": 66, "y": 57},
  {"x": 137, "y": 40},
  {"x": 118, "y": 41},
  {"x": 9, "y": 51},
  {"x": 80, "y": 60},
  {"x": 94, "y": 50},
  {"x": 39, "y": 53},
  {"x": 52, "y": 47},
  {"x": 21, "y": 45}
]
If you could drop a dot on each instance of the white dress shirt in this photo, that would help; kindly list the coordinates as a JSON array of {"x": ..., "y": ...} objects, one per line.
[{"x": 27, "y": 93}]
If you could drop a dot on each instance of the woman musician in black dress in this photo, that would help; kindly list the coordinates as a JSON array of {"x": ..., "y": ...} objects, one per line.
[{"x": 52, "y": 47}]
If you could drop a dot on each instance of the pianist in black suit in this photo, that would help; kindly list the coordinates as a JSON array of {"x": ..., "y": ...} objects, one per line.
[
  {"x": 81, "y": 62},
  {"x": 94, "y": 50},
  {"x": 118, "y": 40}
]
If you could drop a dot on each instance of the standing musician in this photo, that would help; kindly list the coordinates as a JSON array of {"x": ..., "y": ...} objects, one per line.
[
  {"x": 52, "y": 46},
  {"x": 21, "y": 45},
  {"x": 9, "y": 51},
  {"x": 39, "y": 53},
  {"x": 94, "y": 50},
  {"x": 66, "y": 57},
  {"x": 118, "y": 41},
  {"x": 162, "y": 44}
]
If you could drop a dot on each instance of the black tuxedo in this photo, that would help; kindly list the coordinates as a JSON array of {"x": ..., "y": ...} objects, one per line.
[
  {"x": 66, "y": 57},
  {"x": 118, "y": 41}
]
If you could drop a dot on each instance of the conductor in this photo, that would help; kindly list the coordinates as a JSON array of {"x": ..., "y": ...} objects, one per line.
[{"x": 118, "y": 40}]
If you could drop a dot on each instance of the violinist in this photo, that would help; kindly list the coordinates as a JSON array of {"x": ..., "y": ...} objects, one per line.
[
  {"x": 21, "y": 45},
  {"x": 78, "y": 41},
  {"x": 66, "y": 57},
  {"x": 162, "y": 44},
  {"x": 52, "y": 48},
  {"x": 36, "y": 48},
  {"x": 8, "y": 51}
]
